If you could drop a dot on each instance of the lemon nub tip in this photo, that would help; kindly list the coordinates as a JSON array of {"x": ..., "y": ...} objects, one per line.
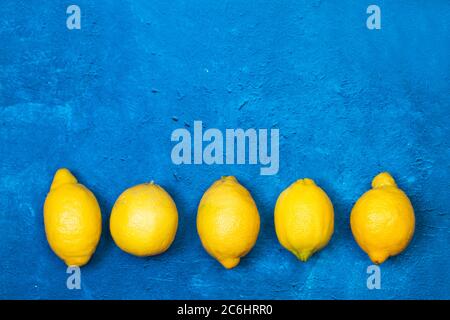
[
  {"x": 230, "y": 263},
  {"x": 62, "y": 176},
  {"x": 306, "y": 181},
  {"x": 228, "y": 178},
  {"x": 303, "y": 255},
  {"x": 378, "y": 258},
  {"x": 77, "y": 261},
  {"x": 383, "y": 179}
]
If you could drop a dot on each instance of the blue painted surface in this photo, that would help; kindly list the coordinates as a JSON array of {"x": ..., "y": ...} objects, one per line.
[{"x": 349, "y": 103}]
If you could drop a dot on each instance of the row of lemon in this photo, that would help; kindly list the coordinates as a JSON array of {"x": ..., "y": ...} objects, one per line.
[{"x": 144, "y": 220}]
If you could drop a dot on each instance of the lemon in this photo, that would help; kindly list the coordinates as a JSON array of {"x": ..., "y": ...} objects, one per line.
[
  {"x": 144, "y": 220},
  {"x": 304, "y": 218},
  {"x": 72, "y": 218},
  {"x": 382, "y": 220},
  {"x": 227, "y": 221}
]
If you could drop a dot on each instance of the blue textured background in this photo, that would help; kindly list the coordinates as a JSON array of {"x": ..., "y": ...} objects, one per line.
[{"x": 349, "y": 103}]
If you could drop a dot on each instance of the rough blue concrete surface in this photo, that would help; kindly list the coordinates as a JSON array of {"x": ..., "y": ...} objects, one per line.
[{"x": 103, "y": 101}]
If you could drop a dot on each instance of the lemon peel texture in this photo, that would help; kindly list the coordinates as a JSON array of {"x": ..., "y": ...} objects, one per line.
[
  {"x": 72, "y": 219},
  {"x": 144, "y": 220},
  {"x": 228, "y": 221},
  {"x": 304, "y": 218},
  {"x": 382, "y": 220}
]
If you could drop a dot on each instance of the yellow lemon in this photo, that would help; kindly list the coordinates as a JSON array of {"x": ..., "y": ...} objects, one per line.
[
  {"x": 227, "y": 221},
  {"x": 144, "y": 220},
  {"x": 382, "y": 220},
  {"x": 72, "y": 218},
  {"x": 304, "y": 218}
]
